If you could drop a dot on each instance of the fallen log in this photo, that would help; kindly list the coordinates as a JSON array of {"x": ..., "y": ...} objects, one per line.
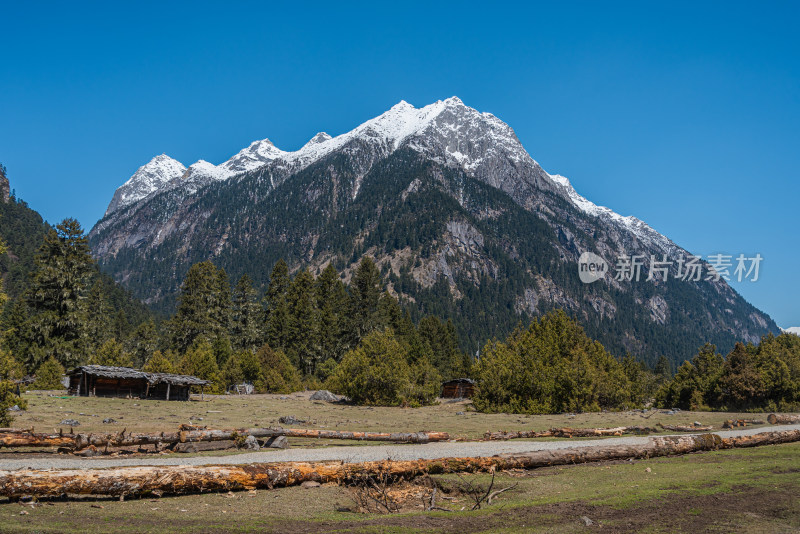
[
  {"x": 599, "y": 432},
  {"x": 27, "y": 438},
  {"x": 686, "y": 428},
  {"x": 570, "y": 433},
  {"x": 783, "y": 419},
  {"x": 129, "y": 439},
  {"x": 762, "y": 438},
  {"x": 132, "y": 481}
]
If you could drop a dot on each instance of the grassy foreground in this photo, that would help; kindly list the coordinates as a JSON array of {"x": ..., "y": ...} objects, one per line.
[
  {"x": 46, "y": 410},
  {"x": 743, "y": 490}
]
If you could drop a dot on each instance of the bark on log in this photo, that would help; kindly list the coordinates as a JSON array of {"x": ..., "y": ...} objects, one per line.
[
  {"x": 687, "y": 428},
  {"x": 783, "y": 419},
  {"x": 570, "y": 433},
  {"x": 123, "y": 439},
  {"x": 26, "y": 438},
  {"x": 762, "y": 438},
  {"x": 132, "y": 481}
]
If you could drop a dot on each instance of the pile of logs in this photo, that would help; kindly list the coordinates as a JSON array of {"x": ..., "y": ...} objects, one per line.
[
  {"x": 737, "y": 423},
  {"x": 158, "y": 480}
]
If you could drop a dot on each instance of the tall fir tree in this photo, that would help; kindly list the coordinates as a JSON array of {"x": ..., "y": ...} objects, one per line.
[
  {"x": 57, "y": 297},
  {"x": 200, "y": 312},
  {"x": 143, "y": 343},
  {"x": 302, "y": 345},
  {"x": 98, "y": 319},
  {"x": 276, "y": 306},
  {"x": 332, "y": 304},
  {"x": 365, "y": 293},
  {"x": 247, "y": 316}
]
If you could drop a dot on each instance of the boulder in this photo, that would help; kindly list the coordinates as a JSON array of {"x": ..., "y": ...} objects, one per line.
[
  {"x": 325, "y": 395},
  {"x": 278, "y": 442}
]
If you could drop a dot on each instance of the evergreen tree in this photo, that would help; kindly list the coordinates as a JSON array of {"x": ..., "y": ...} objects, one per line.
[
  {"x": 143, "y": 343},
  {"x": 200, "y": 313},
  {"x": 247, "y": 316},
  {"x": 331, "y": 303},
  {"x": 550, "y": 367},
  {"x": 48, "y": 375},
  {"x": 365, "y": 293},
  {"x": 199, "y": 361},
  {"x": 57, "y": 297},
  {"x": 98, "y": 321},
  {"x": 276, "y": 306},
  {"x": 10, "y": 369},
  {"x": 160, "y": 363},
  {"x": 111, "y": 353},
  {"x": 301, "y": 341},
  {"x": 278, "y": 373}
]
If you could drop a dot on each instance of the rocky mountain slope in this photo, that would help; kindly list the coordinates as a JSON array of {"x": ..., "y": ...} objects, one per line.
[{"x": 462, "y": 220}]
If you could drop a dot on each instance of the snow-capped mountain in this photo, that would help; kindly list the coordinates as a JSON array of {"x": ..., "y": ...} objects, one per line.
[
  {"x": 441, "y": 192},
  {"x": 148, "y": 179},
  {"x": 472, "y": 140},
  {"x": 792, "y": 330}
]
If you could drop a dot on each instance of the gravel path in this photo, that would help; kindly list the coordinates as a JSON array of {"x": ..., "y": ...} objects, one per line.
[{"x": 350, "y": 453}]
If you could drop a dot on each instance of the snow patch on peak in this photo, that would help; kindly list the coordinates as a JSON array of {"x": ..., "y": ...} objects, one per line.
[
  {"x": 792, "y": 330},
  {"x": 637, "y": 227},
  {"x": 147, "y": 179},
  {"x": 321, "y": 137}
]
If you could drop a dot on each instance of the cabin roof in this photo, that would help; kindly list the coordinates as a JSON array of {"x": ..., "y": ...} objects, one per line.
[
  {"x": 459, "y": 381},
  {"x": 127, "y": 372}
]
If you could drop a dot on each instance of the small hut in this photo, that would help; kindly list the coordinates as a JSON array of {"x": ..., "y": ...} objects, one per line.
[
  {"x": 104, "y": 381},
  {"x": 458, "y": 388}
]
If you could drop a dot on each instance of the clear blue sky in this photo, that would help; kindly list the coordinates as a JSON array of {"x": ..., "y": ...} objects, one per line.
[{"x": 686, "y": 115}]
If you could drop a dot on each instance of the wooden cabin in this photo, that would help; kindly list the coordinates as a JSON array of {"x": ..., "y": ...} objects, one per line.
[
  {"x": 458, "y": 388},
  {"x": 104, "y": 381}
]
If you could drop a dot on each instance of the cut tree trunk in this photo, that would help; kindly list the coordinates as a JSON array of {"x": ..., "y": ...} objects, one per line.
[
  {"x": 130, "y": 481},
  {"x": 25, "y": 438},
  {"x": 687, "y": 428},
  {"x": 123, "y": 439},
  {"x": 570, "y": 433},
  {"x": 783, "y": 419}
]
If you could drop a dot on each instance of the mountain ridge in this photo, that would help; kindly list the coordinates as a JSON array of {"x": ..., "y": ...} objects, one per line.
[{"x": 434, "y": 193}]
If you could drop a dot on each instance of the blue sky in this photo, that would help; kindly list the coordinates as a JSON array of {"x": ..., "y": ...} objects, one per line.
[{"x": 683, "y": 115}]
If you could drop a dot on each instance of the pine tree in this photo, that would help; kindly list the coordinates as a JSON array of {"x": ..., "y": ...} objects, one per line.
[
  {"x": 200, "y": 313},
  {"x": 98, "y": 321},
  {"x": 199, "y": 361},
  {"x": 276, "y": 306},
  {"x": 331, "y": 303},
  {"x": 302, "y": 344},
  {"x": 111, "y": 353},
  {"x": 48, "y": 375},
  {"x": 247, "y": 316},
  {"x": 160, "y": 363},
  {"x": 57, "y": 296},
  {"x": 10, "y": 368},
  {"x": 143, "y": 343},
  {"x": 365, "y": 293}
]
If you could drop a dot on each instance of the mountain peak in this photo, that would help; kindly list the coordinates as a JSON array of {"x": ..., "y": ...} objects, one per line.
[
  {"x": 321, "y": 137},
  {"x": 147, "y": 179}
]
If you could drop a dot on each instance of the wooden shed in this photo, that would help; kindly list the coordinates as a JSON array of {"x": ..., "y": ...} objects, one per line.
[
  {"x": 458, "y": 388},
  {"x": 104, "y": 381}
]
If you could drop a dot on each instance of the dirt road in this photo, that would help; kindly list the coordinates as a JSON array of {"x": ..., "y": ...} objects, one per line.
[{"x": 347, "y": 453}]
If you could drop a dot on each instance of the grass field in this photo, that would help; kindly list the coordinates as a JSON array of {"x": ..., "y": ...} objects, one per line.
[
  {"x": 742, "y": 490},
  {"x": 46, "y": 410}
]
